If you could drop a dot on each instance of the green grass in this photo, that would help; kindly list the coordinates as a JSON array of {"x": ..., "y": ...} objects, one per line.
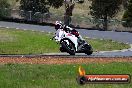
[
  {"x": 105, "y": 45},
  {"x": 58, "y": 76},
  {"x": 14, "y": 41},
  {"x": 26, "y": 42}
]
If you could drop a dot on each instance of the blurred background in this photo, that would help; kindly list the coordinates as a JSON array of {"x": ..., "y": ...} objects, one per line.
[{"x": 49, "y": 11}]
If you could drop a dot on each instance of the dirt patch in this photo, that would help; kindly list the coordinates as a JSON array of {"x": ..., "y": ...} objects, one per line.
[{"x": 54, "y": 60}]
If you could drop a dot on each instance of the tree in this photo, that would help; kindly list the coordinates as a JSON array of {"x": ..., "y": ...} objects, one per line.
[
  {"x": 125, "y": 3},
  {"x": 34, "y": 5},
  {"x": 127, "y": 17},
  {"x": 69, "y": 6},
  {"x": 105, "y": 9},
  {"x": 31, "y": 7},
  {"x": 3, "y": 7},
  {"x": 43, "y": 6},
  {"x": 39, "y": 5},
  {"x": 55, "y": 3}
]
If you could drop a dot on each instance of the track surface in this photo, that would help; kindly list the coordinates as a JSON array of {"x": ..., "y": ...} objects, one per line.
[{"x": 124, "y": 37}]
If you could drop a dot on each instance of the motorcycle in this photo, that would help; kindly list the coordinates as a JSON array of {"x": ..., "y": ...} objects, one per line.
[{"x": 71, "y": 43}]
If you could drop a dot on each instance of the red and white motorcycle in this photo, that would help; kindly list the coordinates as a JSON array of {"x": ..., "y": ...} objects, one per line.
[{"x": 72, "y": 42}]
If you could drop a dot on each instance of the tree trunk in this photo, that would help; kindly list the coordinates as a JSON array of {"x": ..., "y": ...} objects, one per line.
[
  {"x": 68, "y": 12},
  {"x": 105, "y": 24},
  {"x": 67, "y": 20}
]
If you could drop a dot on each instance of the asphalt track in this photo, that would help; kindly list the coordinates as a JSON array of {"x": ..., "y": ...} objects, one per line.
[{"x": 124, "y": 37}]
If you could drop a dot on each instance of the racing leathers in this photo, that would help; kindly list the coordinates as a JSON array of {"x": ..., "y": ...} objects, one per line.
[{"x": 70, "y": 30}]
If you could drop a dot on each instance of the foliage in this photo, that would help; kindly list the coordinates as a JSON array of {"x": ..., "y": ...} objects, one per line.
[
  {"x": 34, "y": 5},
  {"x": 3, "y": 5},
  {"x": 105, "y": 9},
  {"x": 40, "y": 5},
  {"x": 55, "y": 3},
  {"x": 127, "y": 17},
  {"x": 125, "y": 3}
]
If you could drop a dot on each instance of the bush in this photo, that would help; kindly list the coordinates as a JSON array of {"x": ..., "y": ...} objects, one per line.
[
  {"x": 127, "y": 17},
  {"x": 3, "y": 8}
]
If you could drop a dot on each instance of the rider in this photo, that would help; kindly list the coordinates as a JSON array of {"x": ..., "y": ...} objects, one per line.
[
  {"x": 71, "y": 30},
  {"x": 60, "y": 28},
  {"x": 58, "y": 25}
]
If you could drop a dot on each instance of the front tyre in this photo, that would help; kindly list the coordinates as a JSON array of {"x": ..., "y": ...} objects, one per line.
[
  {"x": 62, "y": 49},
  {"x": 88, "y": 49},
  {"x": 68, "y": 47}
]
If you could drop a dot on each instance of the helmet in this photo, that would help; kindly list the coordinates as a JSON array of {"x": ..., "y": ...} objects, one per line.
[
  {"x": 67, "y": 28},
  {"x": 58, "y": 25}
]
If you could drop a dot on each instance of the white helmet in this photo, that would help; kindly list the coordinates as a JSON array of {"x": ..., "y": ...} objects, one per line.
[
  {"x": 58, "y": 22},
  {"x": 58, "y": 25}
]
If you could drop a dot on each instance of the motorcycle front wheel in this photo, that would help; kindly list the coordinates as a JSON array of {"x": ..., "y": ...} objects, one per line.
[
  {"x": 88, "y": 49},
  {"x": 69, "y": 47}
]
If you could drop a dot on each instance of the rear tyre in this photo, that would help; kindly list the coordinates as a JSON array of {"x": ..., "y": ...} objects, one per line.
[{"x": 69, "y": 47}]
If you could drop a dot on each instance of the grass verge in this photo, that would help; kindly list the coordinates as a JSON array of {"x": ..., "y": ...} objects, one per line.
[
  {"x": 13, "y": 41},
  {"x": 58, "y": 76},
  {"x": 106, "y": 45}
]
